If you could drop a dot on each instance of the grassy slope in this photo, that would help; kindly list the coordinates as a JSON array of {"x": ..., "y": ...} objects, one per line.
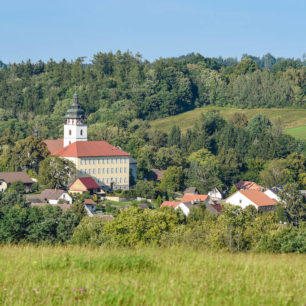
[
  {"x": 298, "y": 132},
  {"x": 290, "y": 117},
  {"x": 66, "y": 275}
]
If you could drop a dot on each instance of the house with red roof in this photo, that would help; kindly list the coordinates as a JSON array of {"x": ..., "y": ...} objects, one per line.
[
  {"x": 173, "y": 204},
  {"x": 84, "y": 184},
  {"x": 196, "y": 198},
  {"x": 109, "y": 166},
  {"x": 259, "y": 199}
]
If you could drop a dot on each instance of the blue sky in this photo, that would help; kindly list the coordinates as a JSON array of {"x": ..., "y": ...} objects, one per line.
[{"x": 41, "y": 29}]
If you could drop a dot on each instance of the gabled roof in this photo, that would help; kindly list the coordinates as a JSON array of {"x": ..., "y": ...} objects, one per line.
[
  {"x": 89, "y": 202},
  {"x": 190, "y": 190},
  {"x": 194, "y": 197},
  {"x": 54, "y": 145},
  {"x": 10, "y": 177},
  {"x": 155, "y": 174},
  {"x": 51, "y": 194},
  {"x": 88, "y": 182},
  {"x": 90, "y": 148},
  {"x": 61, "y": 206},
  {"x": 170, "y": 204},
  {"x": 247, "y": 185},
  {"x": 258, "y": 197}
]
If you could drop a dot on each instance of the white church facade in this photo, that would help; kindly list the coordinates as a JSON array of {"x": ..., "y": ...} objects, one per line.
[{"x": 108, "y": 165}]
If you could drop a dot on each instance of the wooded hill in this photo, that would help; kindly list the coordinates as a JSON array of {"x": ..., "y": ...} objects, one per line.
[{"x": 116, "y": 88}]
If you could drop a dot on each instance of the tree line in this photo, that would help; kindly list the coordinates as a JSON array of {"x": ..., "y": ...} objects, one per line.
[{"x": 118, "y": 88}]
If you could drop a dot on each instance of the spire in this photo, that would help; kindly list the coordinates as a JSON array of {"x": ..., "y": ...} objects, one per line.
[
  {"x": 75, "y": 99},
  {"x": 75, "y": 111}
]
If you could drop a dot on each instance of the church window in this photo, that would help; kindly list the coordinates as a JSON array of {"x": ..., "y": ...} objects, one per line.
[
  {"x": 81, "y": 132},
  {"x": 69, "y": 132}
]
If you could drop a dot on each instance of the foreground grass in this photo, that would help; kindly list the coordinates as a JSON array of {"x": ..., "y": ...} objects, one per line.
[
  {"x": 289, "y": 117},
  {"x": 69, "y": 276},
  {"x": 298, "y": 132}
]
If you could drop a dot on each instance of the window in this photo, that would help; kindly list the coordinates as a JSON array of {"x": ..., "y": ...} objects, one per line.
[
  {"x": 112, "y": 161},
  {"x": 111, "y": 170},
  {"x": 93, "y": 171},
  {"x": 107, "y": 170},
  {"x": 99, "y": 161},
  {"x": 107, "y": 161},
  {"x": 120, "y": 180},
  {"x": 69, "y": 132},
  {"x": 85, "y": 171},
  {"x": 120, "y": 170},
  {"x": 103, "y": 170},
  {"x": 99, "y": 170},
  {"x": 81, "y": 171},
  {"x": 120, "y": 160},
  {"x": 89, "y": 171},
  {"x": 124, "y": 169},
  {"x": 240, "y": 201},
  {"x": 93, "y": 161},
  {"x": 116, "y": 170},
  {"x": 89, "y": 161},
  {"x": 81, "y": 132},
  {"x": 125, "y": 179}
]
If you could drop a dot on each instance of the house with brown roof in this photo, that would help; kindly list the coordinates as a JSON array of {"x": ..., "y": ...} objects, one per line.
[
  {"x": 6, "y": 178},
  {"x": 108, "y": 165},
  {"x": 84, "y": 184},
  {"x": 186, "y": 207},
  {"x": 90, "y": 204},
  {"x": 258, "y": 199},
  {"x": 243, "y": 185},
  {"x": 191, "y": 190},
  {"x": 54, "y": 196},
  {"x": 155, "y": 175}
]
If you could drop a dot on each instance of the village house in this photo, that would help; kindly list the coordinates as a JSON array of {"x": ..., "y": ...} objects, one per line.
[
  {"x": 215, "y": 194},
  {"x": 84, "y": 184},
  {"x": 170, "y": 204},
  {"x": 186, "y": 208},
  {"x": 91, "y": 205},
  {"x": 55, "y": 196},
  {"x": 7, "y": 178},
  {"x": 273, "y": 193},
  {"x": 191, "y": 190},
  {"x": 109, "y": 166},
  {"x": 196, "y": 198},
  {"x": 258, "y": 199},
  {"x": 243, "y": 185}
]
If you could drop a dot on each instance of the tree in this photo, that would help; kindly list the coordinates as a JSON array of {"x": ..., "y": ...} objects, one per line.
[
  {"x": 29, "y": 152},
  {"x": 294, "y": 204},
  {"x": 173, "y": 179},
  {"x": 174, "y": 138},
  {"x": 17, "y": 186},
  {"x": 55, "y": 172},
  {"x": 259, "y": 124},
  {"x": 145, "y": 189},
  {"x": 274, "y": 174},
  {"x": 240, "y": 120}
]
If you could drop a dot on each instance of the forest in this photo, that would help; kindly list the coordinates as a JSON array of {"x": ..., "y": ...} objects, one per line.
[{"x": 117, "y": 88}]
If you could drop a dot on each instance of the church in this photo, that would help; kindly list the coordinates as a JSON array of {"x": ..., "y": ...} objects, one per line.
[{"x": 109, "y": 166}]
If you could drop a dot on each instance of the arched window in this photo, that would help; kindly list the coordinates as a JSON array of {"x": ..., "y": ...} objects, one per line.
[
  {"x": 69, "y": 132},
  {"x": 81, "y": 132}
]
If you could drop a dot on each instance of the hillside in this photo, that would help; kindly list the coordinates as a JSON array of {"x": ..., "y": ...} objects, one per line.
[{"x": 291, "y": 118}]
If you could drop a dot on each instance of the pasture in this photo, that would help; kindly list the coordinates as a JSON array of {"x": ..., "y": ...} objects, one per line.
[{"x": 148, "y": 276}]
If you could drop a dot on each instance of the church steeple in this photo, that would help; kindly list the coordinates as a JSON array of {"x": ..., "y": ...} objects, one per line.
[{"x": 75, "y": 128}]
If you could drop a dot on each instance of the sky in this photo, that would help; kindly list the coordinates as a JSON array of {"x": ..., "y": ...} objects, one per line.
[{"x": 41, "y": 29}]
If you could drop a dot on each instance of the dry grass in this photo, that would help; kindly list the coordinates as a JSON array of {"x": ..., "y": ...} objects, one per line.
[{"x": 178, "y": 276}]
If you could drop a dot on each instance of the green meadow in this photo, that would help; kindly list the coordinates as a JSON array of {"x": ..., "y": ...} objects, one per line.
[
  {"x": 289, "y": 117},
  {"x": 297, "y": 132},
  {"x": 174, "y": 276}
]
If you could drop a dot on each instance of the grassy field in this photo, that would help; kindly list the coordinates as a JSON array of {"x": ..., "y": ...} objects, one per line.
[
  {"x": 290, "y": 117},
  {"x": 70, "y": 276},
  {"x": 297, "y": 132}
]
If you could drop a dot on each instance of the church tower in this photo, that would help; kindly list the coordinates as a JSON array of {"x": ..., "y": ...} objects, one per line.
[{"x": 75, "y": 127}]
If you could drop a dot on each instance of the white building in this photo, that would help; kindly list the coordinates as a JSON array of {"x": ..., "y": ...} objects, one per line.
[
  {"x": 55, "y": 196},
  {"x": 258, "y": 199}
]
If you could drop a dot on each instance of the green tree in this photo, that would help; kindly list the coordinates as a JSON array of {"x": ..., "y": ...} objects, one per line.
[
  {"x": 55, "y": 172},
  {"x": 173, "y": 179}
]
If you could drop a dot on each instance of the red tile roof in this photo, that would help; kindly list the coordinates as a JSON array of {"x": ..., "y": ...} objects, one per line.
[
  {"x": 194, "y": 197},
  {"x": 170, "y": 204},
  {"x": 247, "y": 185},
  {"x": 90, "y": 148},
  {"x": 54, "y": 145},
  {"x": 258, "y": 197},
  {"x": 89, "y": 183}
]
